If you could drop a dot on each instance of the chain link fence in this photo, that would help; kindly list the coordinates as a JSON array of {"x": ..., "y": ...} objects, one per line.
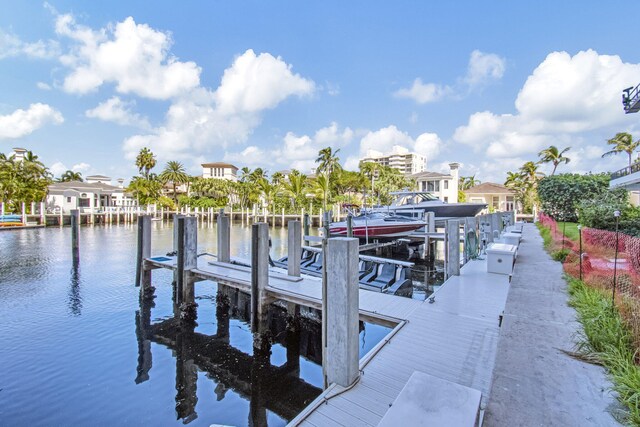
[{"x": 606, "y": 260}]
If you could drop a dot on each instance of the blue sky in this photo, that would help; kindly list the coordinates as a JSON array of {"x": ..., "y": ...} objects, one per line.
[{"x": 487, "y": 84}]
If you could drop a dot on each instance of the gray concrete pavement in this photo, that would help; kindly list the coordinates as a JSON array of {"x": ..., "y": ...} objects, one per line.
[{"x": 534, "y": 382}]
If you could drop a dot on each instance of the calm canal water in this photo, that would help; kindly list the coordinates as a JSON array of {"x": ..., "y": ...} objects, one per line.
[{"x": 77, "y": 348}]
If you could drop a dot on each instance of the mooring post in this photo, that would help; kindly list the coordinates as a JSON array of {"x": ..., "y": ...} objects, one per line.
[
  {"x": 187, "y": 260},
  {"x": 259, "y": 282},
  {"x": 431, "y": 222},
  {"x": 306, "y": 225},
  {"x": 340, "y": 325},
  {"x": 43, "y": 219},
  {"x": 224, "y": 238},
  {"x": 495, "y": 226},
  {"x": 349, "y": 225},
  {"x": 1, "y": 208},
  {"x": 453, "y": 248},
  {"x": 24, "y": 213},
  {"x": 75, "y": 233},
  {"x": 294, "y": 248},
  {"x": 143, "y": 273}
]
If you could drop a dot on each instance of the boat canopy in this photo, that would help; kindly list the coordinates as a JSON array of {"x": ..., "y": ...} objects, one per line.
[{"x": 408, "y": 198}]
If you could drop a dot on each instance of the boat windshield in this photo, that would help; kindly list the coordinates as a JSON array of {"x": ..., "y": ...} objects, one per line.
[{"x": 408, "y": 199}]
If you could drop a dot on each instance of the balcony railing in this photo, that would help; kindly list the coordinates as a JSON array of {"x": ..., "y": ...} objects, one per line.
[
  {"x": 626, "y": 171},
  {"x": 631, "y": 99}
]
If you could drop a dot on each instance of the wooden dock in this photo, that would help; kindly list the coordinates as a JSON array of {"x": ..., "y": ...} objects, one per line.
[
  {"x": 454, "y": 338},
  {"x": 388, "y": 310}
]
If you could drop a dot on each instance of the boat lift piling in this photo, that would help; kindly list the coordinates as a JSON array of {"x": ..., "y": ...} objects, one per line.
[
  {"x": 224, "y": 237},
  {"x": 259, "y": 282},
  {"x": 75, "y": 235},
  {"x": 294, "y": 248}
]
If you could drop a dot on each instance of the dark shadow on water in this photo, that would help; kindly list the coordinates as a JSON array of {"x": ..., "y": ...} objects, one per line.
[{"x": 278, "y": 389}]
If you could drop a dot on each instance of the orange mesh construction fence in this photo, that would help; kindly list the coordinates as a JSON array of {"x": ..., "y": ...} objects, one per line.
[{"x": 601, "y": 268}]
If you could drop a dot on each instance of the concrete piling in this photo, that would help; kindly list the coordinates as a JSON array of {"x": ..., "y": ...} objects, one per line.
[
  {"x": 340, "y": 325},
  {"x": 187, "y": 260},
  {"x": 143, "y": 273},
  {"x": 306, "y": 225},
  {"x": 294, "y": 248},
  {"x": 349, "y": 225},
  {"x": 224, "y": 238},
  {"x": 453, "y": 248},
  {"x": 259, "y": 283},
  {"x": 431, "y": 222}
]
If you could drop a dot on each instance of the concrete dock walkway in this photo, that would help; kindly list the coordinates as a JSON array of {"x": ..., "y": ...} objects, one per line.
[{"x": 534, "y": 382}]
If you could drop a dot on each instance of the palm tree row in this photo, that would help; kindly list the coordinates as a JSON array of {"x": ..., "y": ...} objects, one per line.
[{"x": 22, "y": 180}]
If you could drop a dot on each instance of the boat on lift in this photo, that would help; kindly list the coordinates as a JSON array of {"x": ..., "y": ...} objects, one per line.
[
  {"x": 415, "y": 204},
  {"x": 377, "y": 225}
]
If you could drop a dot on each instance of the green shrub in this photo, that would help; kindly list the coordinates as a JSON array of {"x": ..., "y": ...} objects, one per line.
[
  {"x": 598, "y": 212},
  {"x": 560, "y": 254},
  {"x": 561, "y": 194}
]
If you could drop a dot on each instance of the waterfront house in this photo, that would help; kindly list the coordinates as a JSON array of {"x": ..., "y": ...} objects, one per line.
[
  {"x": 95, "y": 195},
  {"x": 496, "y": 196},
  {"x": 220, "y": 170},
  {"x": 442, "y": 185}
]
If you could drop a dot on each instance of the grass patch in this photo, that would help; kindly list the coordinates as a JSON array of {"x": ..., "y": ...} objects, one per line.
[
  {"x": 546, "y": 235},
  {"x": 560, "y": 254},
  {"x": 570, "y": 230},
  {"x": 608, "y": 341}
]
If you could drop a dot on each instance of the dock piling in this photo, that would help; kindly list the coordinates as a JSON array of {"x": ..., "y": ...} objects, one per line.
[
  {"x": 224, "y": 238},
  {"x": 453, "y": 248},
  {"x": 294, "y": 248},
  {"x": 187, "y": 260},
  {"x": 259, "y": 282},
  {"x": 431, "y": 222},
  {"x": 143, "y": 274},
  {"x": 306, "y": 225},
  {"x": 75, "y": 233},
  {"x": 349, "y": 225},
  {"x": 340, "y": 326}
]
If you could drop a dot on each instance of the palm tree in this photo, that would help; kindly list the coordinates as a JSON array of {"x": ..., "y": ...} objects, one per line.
[
  {"x": 328, "y": 160},
  {"x": 322, "y": 189},
  {"x": 296, "y": 188},
  {"x": 175, "y": 173},
  {"x": 553, "y": 155},
  {"x": 466, "y": 182},
  {"x": 145, "y": 161},
  {"x": 69, "y": 176},
  {"x": 622, "y": 142}
]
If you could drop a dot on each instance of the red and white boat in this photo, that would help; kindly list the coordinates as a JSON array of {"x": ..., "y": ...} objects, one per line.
[{"x": 377, "y": 225}]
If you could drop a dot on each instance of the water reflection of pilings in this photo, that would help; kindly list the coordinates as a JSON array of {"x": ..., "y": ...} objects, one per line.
[
  {"x": 267, "y": 387},
  {"x": 75, "y": 297}
]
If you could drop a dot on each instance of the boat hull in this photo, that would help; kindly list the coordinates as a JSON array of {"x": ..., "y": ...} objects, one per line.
[
  {"x": 446, "y": 210},
  {"x": 377, "y": 231}
]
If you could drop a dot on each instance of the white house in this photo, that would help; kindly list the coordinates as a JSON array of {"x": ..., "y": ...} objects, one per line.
[
  {"x": 497, "y": 197},
  {"x": 442, "y": 185},
  {"x": 95, "y": 195},
  {"x": 220, "y": 170}
]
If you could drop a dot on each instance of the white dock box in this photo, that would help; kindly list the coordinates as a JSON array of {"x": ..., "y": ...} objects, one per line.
[
  {"x": 512, "y": 238},
  {"x": 500, "y": 258}
]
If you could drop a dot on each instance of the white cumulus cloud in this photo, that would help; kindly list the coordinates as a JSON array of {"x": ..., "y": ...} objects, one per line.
[
  {"x": 564, "y": 98},
  {"x": 23, "y": 122},
  {"x": 258, "y": 82},
  {"x": 135, "y": 57},
  {"x": 11, "y": 45},
  {"x": 202, "y": 120},
  {"x": 118, "y": 111},
  {"x": 483, "y": 68},
  {"x": 423, "y": 93},
  {"x": 295, "y": 152},
  {"x": 391, "y": 139}
]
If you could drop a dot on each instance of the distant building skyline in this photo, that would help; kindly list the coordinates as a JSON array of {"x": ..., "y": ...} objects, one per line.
[{"x": 406, "y": 163}]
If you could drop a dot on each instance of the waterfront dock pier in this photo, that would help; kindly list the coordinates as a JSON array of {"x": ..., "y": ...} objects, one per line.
[{"x": 451, "y": 336}]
